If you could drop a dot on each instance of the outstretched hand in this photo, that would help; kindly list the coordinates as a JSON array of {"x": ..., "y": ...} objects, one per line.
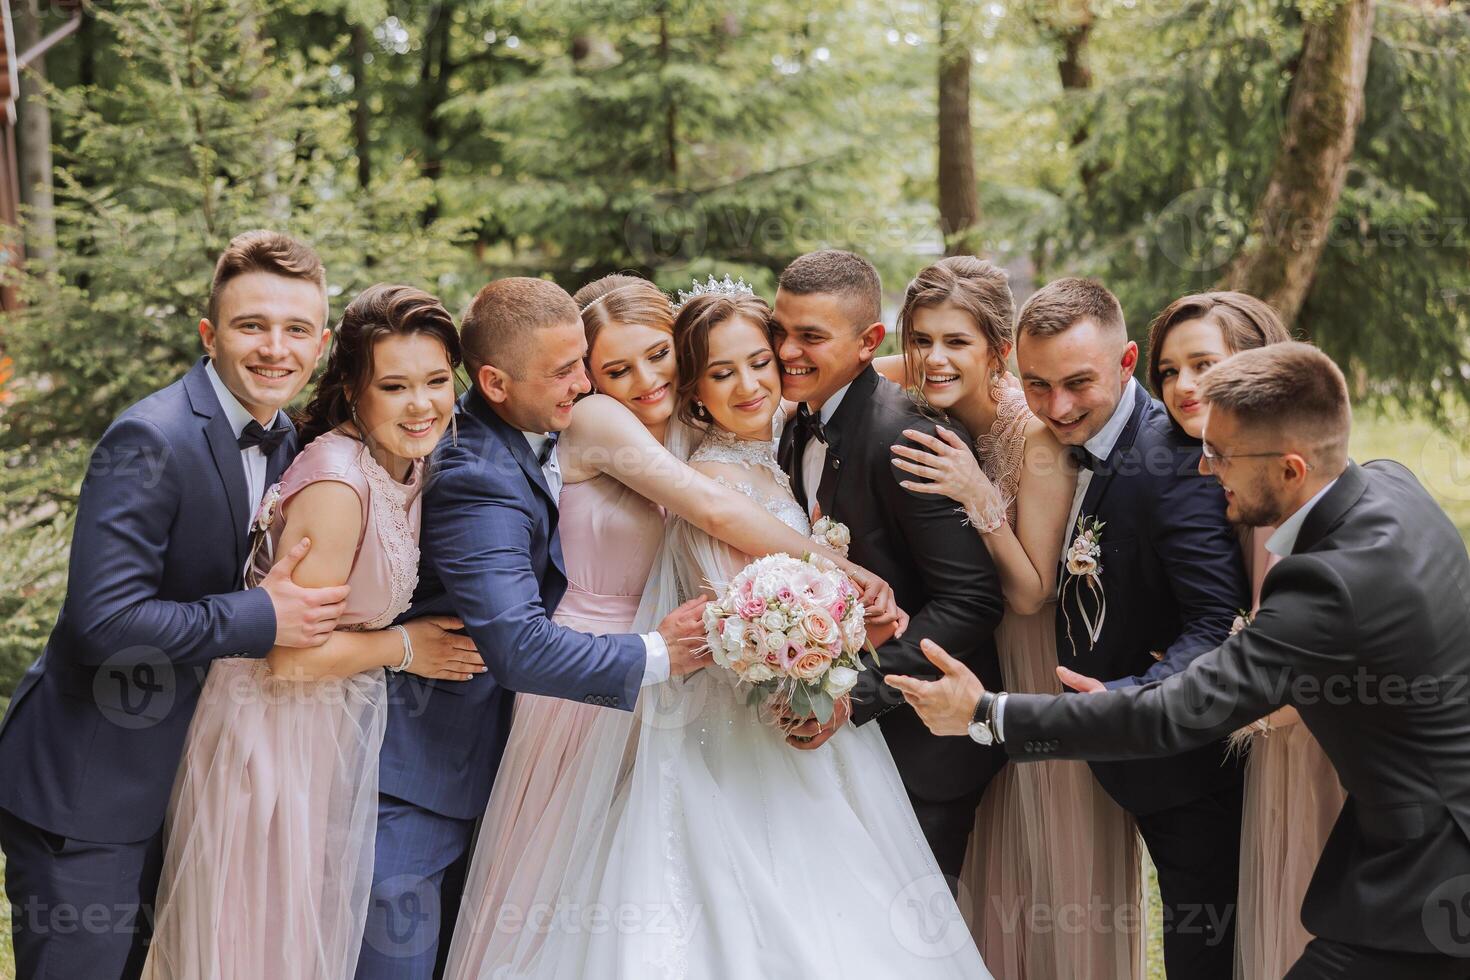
[
  {"x": 1080, "y": 682},
  {"x": 946, "y": 705}
]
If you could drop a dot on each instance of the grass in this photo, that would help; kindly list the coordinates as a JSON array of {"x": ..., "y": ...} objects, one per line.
[{"x": 1442, "y": 464}]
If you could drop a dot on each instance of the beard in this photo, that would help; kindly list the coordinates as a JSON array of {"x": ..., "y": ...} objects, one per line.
[{"x": 1254, "y": 506}]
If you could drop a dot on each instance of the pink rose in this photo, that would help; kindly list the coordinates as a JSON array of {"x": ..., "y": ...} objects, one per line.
[
  {"x": 810, "y": 666},
  {"x": 785, "y": 596},
  {"x": 749, "y": 607},
  {"x": 820, "y": 627},
  {"x": 838, "y": 610}
]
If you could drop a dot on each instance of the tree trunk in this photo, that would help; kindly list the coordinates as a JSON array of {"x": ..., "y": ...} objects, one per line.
[
  {"x": 1070, "y": 22},
  {"x": 671, "y": 107},
  {"x": 1289, "y": 230},
  {"x": 34, "y": 125},
  {"x": 959, "y": 203},
  {"x": 360, "y": 115},
  {"x": 434, "y": 74}
]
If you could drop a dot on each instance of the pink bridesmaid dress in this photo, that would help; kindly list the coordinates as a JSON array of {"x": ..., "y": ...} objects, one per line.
[
  {"x": 1052, "y": 882},
  {"x": 610, "y": 537},
  {"x": 1292, "y": 799},
  {"x": 269, "y": 848}
]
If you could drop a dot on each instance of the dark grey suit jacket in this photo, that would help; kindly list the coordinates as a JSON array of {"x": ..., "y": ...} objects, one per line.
[{"x": 1365, "y": 628}]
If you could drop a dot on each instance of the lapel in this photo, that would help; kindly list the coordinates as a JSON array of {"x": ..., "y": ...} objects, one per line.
[
  {"x": 1102, "y": 475},
  {"x": 225, "y": 450},
  {"x": 514, "y": 442},
  {"x": 847, "y": 418},
  {"x": 1331, "y": 508}
]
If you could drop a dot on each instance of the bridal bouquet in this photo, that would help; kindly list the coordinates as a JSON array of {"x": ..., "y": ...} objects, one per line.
[{"x": 792, "y": 628}]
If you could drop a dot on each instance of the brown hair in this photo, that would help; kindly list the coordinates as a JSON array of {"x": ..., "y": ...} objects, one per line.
[
  {"x": 380, "y": 311},
  {"x": 692, "y": 327},
  {"x": 838, "y": 273},
  {"x": 1291, "y": 386},
  {"x": 598, "y": 288},
  {"x": 1060, "y": 305},
  {"x": 497, "y": 327},
  {"x": 265, "y": 251},
  {"x": 978, "y": 288},
  {"x": 1245, "y": 322},
  {"x": 640, "y": 301}
]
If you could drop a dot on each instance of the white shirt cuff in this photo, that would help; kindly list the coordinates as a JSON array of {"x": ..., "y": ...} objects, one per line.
[
  {"x": 1000, "y": 714},
  {"x": 656, "y": 659}
]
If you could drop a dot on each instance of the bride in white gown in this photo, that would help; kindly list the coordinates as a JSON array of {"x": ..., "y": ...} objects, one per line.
[{"x": 693, "y": 842}]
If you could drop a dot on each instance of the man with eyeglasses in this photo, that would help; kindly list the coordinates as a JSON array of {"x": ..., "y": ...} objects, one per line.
[{"x": 1363, "y": 626}]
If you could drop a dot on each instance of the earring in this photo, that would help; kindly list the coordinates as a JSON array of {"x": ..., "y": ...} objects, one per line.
[{"x": 454, "y": 428}]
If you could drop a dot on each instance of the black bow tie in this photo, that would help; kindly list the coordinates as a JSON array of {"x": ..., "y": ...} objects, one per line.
[
  {"x": 1083, "y": 457},
  {"x": 810, "y": 423},
  {"x": 269, "y": 440},
  {"x": 547, "y": 448}
]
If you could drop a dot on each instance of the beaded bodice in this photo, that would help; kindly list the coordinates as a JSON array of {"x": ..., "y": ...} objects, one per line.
[{"x": 720, "y": 446}]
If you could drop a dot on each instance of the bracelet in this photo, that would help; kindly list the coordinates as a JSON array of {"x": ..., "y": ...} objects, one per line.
[
  {"x": 407, "y": 651},
  {"x": 988, "y": 521}
]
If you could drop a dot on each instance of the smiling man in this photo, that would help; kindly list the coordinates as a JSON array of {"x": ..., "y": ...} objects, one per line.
[
  {"x": 1170, "y": 581},
  {"x": 836, "y": 451}
]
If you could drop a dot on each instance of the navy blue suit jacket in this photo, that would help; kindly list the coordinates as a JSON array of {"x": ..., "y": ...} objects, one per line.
[
  {"x": 491, "y": 556},
  {"x": 1173, "y": 580},
  {"x": 93, "y": 736}
]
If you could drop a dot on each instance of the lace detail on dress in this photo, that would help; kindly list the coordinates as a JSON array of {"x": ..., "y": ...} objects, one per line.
[
  {"x": 720, "y": 446},
  {"x": 1003, "y": 449},
  {"x": 390, "y": 504}
]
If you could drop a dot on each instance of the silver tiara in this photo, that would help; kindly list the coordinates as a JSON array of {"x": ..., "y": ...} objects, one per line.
[{"x": 720, "y": 287}]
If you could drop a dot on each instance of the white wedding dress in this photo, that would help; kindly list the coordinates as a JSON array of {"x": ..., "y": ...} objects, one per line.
[{"x": 695, "y": 843}]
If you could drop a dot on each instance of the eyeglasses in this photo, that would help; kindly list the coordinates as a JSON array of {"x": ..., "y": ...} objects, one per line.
[{"x": 1215, "y": 459}]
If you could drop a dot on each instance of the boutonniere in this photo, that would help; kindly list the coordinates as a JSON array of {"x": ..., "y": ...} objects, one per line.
[
  {"x": 1242, "y": 620},
  {"x": 1084, "y": 565},
  {"x": 267, "y": 511}
]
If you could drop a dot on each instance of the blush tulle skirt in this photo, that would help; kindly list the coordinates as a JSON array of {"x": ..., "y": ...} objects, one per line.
[{"x": 269, "y": 839}]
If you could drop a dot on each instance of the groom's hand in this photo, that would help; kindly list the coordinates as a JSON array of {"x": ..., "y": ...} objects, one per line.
[
  {"x": 947, "y": 705},
  {"x": 812, "y": 734},
  {"x": 683, "y": 633}
]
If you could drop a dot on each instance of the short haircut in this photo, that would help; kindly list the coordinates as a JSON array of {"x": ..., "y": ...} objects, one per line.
[
  {"x": 1291, "y": 387},
  {"x": 266, "y": 251},
  {"x": 598, "y": 288},
  {"x": 837, "y": 273},
  {"x": 1245, "y": 322},
  {"x": 1059, "y": 306},
  {"x": 498, "y": 327}
]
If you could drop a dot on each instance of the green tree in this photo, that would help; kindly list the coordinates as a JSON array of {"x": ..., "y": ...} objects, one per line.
[{"x": 206, "y": 130}]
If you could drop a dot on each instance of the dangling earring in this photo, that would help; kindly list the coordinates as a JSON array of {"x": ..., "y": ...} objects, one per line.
[
  {"x": 454, "y": 428},
  {"x": 701, "y": 413}
]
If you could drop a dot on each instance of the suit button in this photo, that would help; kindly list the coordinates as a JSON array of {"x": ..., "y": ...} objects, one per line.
[
  {"x": 1030, "y": 746},
  {"x": 836, "y": 463}
]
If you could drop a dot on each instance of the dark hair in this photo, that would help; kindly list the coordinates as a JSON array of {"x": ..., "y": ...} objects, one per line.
[
  {"x": 981, "y": 289},
  {"x": 598, "y": 288},
  {"x": 1061, "y": 305},
  {"x": 497, "y": 327},
  {"x": 265, "y": 251},
  {"x": 692, "y": 327},
  {"x": 1245, "y": 322},
  {"x": 379, "y": 311},
  {"x": 838, "y": 273},
  {"x": 1292, "y": 386}
]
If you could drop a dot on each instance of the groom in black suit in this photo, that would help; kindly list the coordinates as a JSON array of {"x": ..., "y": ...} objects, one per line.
[
  {"x": 1169, "y": 584},
  {"x": 1363, "y": 626},
  {"x": 836, "y": 451}
]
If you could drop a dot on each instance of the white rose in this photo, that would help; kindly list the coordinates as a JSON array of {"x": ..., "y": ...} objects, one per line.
[
  {"x": 1081, "y": 564},
  {"x": 775, "y": 641},
  {"x": 773, "y": 620},
  {"x": 758, "y": 673},
  {"x": 840, "y": 680},
  {"x": 797, "y": 636}
]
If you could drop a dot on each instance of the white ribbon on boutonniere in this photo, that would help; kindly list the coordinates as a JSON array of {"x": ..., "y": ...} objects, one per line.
[{"x": 1084, "y": 564}]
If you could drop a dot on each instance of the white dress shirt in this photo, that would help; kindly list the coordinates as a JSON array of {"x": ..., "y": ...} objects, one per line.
[
  {"x": 814, "y": 456},
  {"x": 252, "y": 459},
  {"x": 655, "y": 650},
  {"x": 1283, "y": 542},
  {"x": 1101, "y": 447}
]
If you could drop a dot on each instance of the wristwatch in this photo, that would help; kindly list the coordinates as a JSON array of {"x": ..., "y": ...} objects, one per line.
[{"x": 982, "y": 728}]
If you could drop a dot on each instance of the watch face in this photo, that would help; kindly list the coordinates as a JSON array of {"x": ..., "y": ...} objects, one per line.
[{"x": 980, "y": 732}]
